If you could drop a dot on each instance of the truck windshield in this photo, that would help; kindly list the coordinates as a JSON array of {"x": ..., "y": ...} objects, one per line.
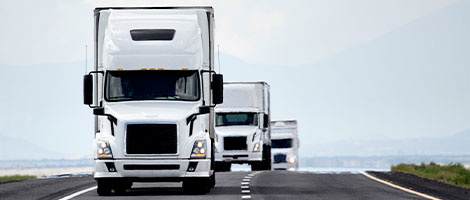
[
  {"x": 236, "y": 119},
  {"x": 152, "y": 85},
  {"x": 282, "y": 143}
]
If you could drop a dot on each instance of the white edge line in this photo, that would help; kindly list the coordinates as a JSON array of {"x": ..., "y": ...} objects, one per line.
[
  {"x": 78, "y": 193},
  {"x": 399, "y": 187}
]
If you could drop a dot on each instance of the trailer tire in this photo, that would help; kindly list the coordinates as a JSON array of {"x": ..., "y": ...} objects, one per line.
[{"x": 104, "y": 188}]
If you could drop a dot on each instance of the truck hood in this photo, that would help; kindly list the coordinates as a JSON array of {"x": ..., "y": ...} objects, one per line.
[
  {"x": 236, "y": 130},
  {"x": 152, "y": 111}
]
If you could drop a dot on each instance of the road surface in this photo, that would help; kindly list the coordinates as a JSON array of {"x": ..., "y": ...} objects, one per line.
[{"x": 230, "y": 185}]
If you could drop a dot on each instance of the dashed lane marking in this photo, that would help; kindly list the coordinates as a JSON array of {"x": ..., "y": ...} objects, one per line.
[{"x": 245, "y": 185}]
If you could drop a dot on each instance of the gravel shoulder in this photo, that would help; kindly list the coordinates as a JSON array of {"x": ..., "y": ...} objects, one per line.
[{"x": 430, "y": 187}]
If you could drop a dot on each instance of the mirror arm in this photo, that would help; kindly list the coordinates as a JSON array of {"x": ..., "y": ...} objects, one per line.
[
  {"x": 96, "y": 72},
  {"x": 202, "y": 110},
  {"x": 100, "y": 112},
  {"x": 208, "y": 71},
  {"x": 99, "y": 106}
]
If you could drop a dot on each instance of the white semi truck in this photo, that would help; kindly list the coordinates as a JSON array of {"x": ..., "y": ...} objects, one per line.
[
  {"x": 285, "y": 145},
  {"x": 153, "y": 92},
  {"x": 242, "y": 129}
]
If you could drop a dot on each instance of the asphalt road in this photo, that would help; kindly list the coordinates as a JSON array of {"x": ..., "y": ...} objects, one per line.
[{"x": 230, "y": 185}]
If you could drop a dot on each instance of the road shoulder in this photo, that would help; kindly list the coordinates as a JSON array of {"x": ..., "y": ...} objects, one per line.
[{"x": 430, "y": 187}]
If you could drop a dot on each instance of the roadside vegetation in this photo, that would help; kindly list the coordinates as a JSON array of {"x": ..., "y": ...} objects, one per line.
[
  {"x": 15, "y": 178},
  {"x": 453, "y": 173}
]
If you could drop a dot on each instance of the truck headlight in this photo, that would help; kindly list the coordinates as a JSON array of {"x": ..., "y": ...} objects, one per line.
[
  {"x": 256, "y": 147},
  {"x": 199, "y": 149},
  {"x": 103, "y": 149},
  {"x": 291, "y": 160}
]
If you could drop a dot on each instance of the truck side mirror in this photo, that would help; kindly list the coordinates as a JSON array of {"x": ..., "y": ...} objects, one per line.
[
  {"x": 266, "y": 121},
  {"x": 217, "y": 88},
  {"x": 88, "y": 89}
]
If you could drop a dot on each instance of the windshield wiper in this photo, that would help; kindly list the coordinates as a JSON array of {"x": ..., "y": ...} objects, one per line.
[
  {"x": 121, "y": 97},
  {"x": 174, "y": 97},
  {"x": 165, "y": 97}
]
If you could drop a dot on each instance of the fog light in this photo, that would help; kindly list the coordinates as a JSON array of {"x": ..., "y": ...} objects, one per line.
[
  {"x": 110, "y": 166},
  {"x": 192, "y": 167}
]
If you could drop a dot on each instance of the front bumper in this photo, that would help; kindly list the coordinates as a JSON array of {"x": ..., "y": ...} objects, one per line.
[
  {"x": 284, "y": 166},
  {"x": 148, "y": 169},
  {"x": 238, "y": 156}
]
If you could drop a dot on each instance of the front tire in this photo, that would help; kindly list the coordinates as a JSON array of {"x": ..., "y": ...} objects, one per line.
[
  {"x": 267, "y": 158},
  {"x": 222, "y": 166},
  {"x": 265, "y": 163},
  {"x": 212, "y": 180},
  {"x": 104, "y": 188},
  {"x": 197, "y": 185}
]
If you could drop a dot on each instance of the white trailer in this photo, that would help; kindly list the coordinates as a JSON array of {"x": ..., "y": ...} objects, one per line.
[
  {"x": 285, "y": 145},
  {"x": 153, "y": 90},
  {"x": 242, "y": 129}
]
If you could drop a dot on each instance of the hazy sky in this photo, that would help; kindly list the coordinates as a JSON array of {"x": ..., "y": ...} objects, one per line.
[{"x": 363, "y": 69}]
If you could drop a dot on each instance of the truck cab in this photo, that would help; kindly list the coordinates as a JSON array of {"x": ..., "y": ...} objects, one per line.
[
  {"x": 153, "y": 92},
  {"x": 242, "y": 129},
  {"x": 285, "y": 145}
]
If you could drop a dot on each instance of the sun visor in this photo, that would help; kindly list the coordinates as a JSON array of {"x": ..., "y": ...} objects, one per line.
[{"x": 135, "y": 39}]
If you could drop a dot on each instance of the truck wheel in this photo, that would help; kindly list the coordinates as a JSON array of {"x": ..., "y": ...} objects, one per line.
[
  {"x": 212, "y": 180},
  {"x": 222, "y": 166},
  {"x": 258, "y": 166},
  {"x": 267, "y": 158},
  {"x": 104, "y": 189},
  {"x": 120, "y": 189},
  {"x": 128, "y": 185},
  {"x": 197, "y": 185}
]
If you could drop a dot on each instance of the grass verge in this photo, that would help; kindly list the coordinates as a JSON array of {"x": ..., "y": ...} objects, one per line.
[
  {"x": 15, "y": 178},
  {"x": 453, "y": 173}
]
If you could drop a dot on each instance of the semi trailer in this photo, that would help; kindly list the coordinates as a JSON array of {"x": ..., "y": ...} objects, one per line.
[
  {"x": 243, "y": 133},
  {"x": 285, "y": 145},
  {"x": 153, "y": 91}
]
